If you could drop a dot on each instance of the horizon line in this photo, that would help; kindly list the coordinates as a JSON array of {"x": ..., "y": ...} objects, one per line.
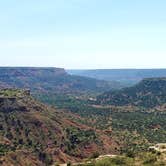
[{"x": 123, "y": 68}]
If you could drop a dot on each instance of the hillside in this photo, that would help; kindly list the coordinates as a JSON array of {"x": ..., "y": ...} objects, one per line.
[
  {"x": 125, "y": 76},
  {"x": 148, "y": 93},
  {"x": 32, "y": 133},
  {"x": 54, "y": 80}
]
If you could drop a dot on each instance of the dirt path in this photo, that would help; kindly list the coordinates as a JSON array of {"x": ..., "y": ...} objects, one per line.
[{"x": 88, "y": 162}]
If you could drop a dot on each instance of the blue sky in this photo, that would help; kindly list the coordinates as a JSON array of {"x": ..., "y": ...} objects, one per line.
[{"x": 83, "y": 33}]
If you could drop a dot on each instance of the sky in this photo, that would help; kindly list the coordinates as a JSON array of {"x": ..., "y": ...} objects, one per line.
[{"x": 83, "y": 34}]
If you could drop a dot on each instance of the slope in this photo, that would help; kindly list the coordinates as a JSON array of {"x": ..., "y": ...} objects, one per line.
[
  {"x": 32, "y": 133},
  {"x": 149, "y": 93}
]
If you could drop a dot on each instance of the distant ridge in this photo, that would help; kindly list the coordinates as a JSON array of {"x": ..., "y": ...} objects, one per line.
[
  {"x": 54, "y": 80},
  {"x": 150, "y": 92},
  {"x": 128, "y": 76}
]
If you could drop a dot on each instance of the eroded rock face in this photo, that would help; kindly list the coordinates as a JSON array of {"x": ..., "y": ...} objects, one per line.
[
  {"x": 10, "y": 104},
  {"x": 27, "y": 92},
  {"x": 10, "y": 100}
]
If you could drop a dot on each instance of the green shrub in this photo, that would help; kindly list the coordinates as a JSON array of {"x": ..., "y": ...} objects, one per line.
[{"x": 149, "y": 158}]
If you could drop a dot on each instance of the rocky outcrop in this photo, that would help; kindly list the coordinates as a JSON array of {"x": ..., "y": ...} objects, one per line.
[
  {"x": 10, "y": 104},
  {"x": 10, "y": 100}
]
